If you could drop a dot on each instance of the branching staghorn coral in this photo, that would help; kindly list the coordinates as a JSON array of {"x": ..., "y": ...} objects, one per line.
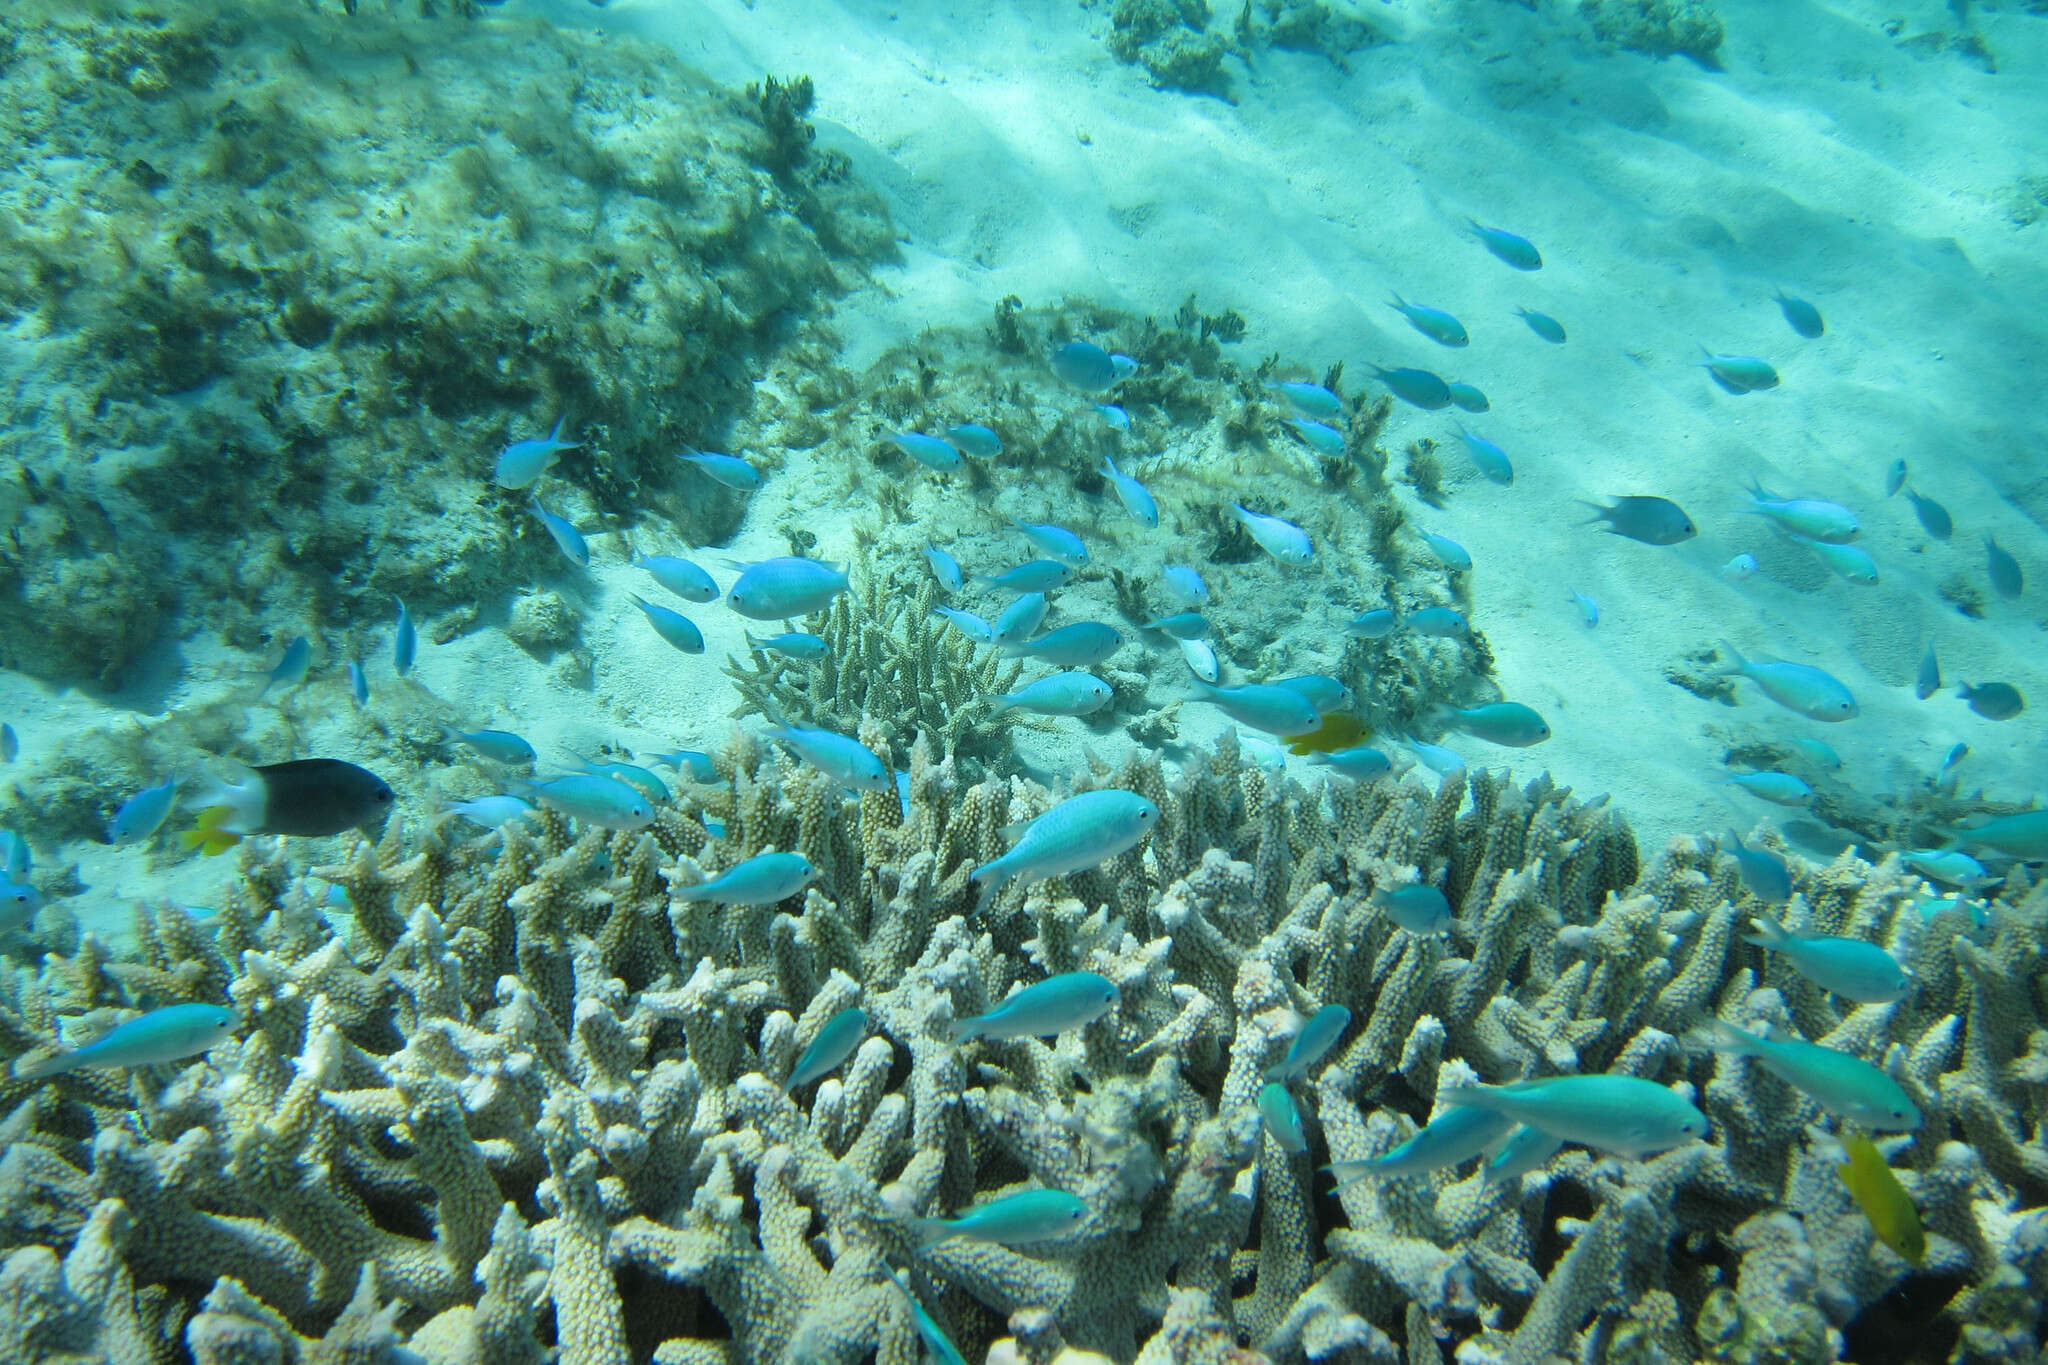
[{"x": 528, "y": 1099}]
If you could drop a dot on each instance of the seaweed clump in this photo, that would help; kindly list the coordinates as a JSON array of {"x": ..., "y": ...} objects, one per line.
[
  {"x": 1170, "y": 39},
  {"x": 1659, "y": 28}
]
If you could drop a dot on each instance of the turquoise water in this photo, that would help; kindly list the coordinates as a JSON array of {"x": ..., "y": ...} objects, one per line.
[{"x": 1593, "y": 447}]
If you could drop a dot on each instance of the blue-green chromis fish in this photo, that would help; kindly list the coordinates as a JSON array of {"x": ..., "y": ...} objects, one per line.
[
  {"x": 650, "y": 786},
  {"x": 946, "y": 570},
  {"x": 1080, "y": 832},
  {"x": 1815, "y": 518},
  {"x": 693, "y": 764},
  {"x": 1038, "y": 575},
  {"x": 764, "y": 879},
  {"x": 729, "y": 470},
  {"x": 1323, "y": 439},
  {"x": 1780, "y": 789},
  {"x": 492, "y": 812},
  {"x": 1324, "y": 692},
  {"x": 1489, "y": 459},
  {"x": 1626, "y": 1115},
  {"x": 499, "y": 746},
  {"x": 1527, "y": 1149},
  {"x": 1811, "y": 692},
  {"x": 1801, "y": 316},
  {"x": 930, "y": 451},
  {"x": 1079, "y": 644},
  {"x": 1500, "y": 722},
  {"x": 1418, "y": 387},
  {"x": 1084, "y": 365},
  {"x": 1767, "y": 876},
  {"x": 1928, "y": 681},
  {"x": 521, "y": 462},
  {"x": 789, "y": 585},
  {"x": 1848, "y": 967},
  {"x": 1543, "y": 325},
  {"x": 1417, "y": 907},
  {"x": 800, "y": 645},
  {"x": 1740, "y": 374},
  {"x": 1646, "y": 519},
  {"x": 1310, "y": 400},
  {"x": 1448, "y": 552},
  {"x": 1360, "y": 763},
  {"x": 1282, "y": 539},
  {"x": 1508, "y": 247},
  {"x": 1993, "y": 700},
  {"x": 1282, "y": 1118},
  {"x": 671, "y": 625},
  {"x": 1028, "y": 1216},
  {"x": 971, "y": 438},
  {"x": 1882, "y": 1198},
  {"x": 2024, "y": 835},
  {"x": 358, "y": 685},
  {"x": 1433, "y": 323},
  {"x": 1135, "y": 497},
  {"x": 2006, "y": 579},
  {"x": 1182, "y": 625},
  {"x": 1847, "y": 1087},
  {"x": 846, "y": 761},
  {"x": 291, "y": 669},
  {"x": 602, "y": 801},
  {"x": 836, "y": 1040},
  {"x": 1376, "y": 624},
  {"x": 143, "y": 814},
  {"x": 1317, "y": 1036},
  {"x": 163, "y": 1035},
  {"x": 1054, "y": 542},
  {"x": 1462, "y": 1133},
  {"x": 1934, "y": 518},
  {"x": 567, "y": 538},
  {"x": 1061, "y": 694},
  {"x": 679, "y": 576},
  {"x": 935, "y": 1339},
  {"x": 1053, "y": 1006},
  {"x": 1020, "y": 620},
  {"x": 1850, "y": 562},
  {"x": 1467, "y": 396},
  {"x": 405, "y": 642},
  {"x": 1264, "y": 706}
]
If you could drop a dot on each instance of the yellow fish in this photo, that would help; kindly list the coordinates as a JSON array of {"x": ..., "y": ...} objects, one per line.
[
  {"x": 1883, "y": 1200},
  {"x": 1338, "y": 731},
  {"x": 207, "y": 836}
]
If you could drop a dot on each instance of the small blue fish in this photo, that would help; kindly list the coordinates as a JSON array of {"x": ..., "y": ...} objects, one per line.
[
  {"x": 1322, "y": 1031},
  {"x": 499, "y": 746},
  {"x": 1433, "y": 323},
  {"x": 1993, "y": 700},
  {"x": 142, "y": 814},
  {"x": 292, "y": 668},
  {"x": 1934, "y": 518},
  {"x": 1589, "y": 610},
  {"x": 567, "y": 538},
  {"x": 170, "y": 1034},
  {"x": 1780, "y": 789},
  {"x": 1818, "y": 752},
  {"x": 729, "y": 470},
  {"x": 1283, "y": 540},
  {"x": 1376, "y": 624},
  {"x": 1739, "y": 374},
  {"x": 1499, "y": 722},
  {"x": 1135, "y": 497},
  {"x": 1079, "y": 644},
  {"x": 1080, "y": 832},
  {"x": 1435, "y": 757},
  {"x": 1310, "y": 400},
  {"x": 945, "y": 569},
  {"x": 1062, "y": 694},
  {"x": 19, "y": 902},
  {"x": 650, "y": 786},
  {"x": 764, "y": 879},
  {"x": 1324, "y": 692},
  {"x": 1416, "y": 907},
  {"x": 671, "y": 625},
  {"x": 1847, "y": 1087},
  {"x": 1264, "y": 706},
  {"x": 968, "y": 624},
  {"x": 785, "y": 586},
  {"x": 936, "y": 1341},
  {"x": 1650, "y": 520},
  {"x": 1895, "y": 476},
  {"x": 1946, "y": 865},
  {"x": 2006, "y": 579},
  {"x": 1801, "y": 316},
  {"x": 1527, "y": 1149},
  {"x": 1739, "y": 568},
  {"x": 1054, "y": 542},
  {"x": 1185, "y": 625},
  {"x": 1543, "y": 325},
  {"x": 693, "y": 764},
  {"x": 1055, "y": 1005},
  {"x": 835, "y": 1042},
  {"x": 1418, "y": 387},
  {"x": 1040, "y": 575},
  {"x": 1448, "y": 552},
  {"x": 1029, "y": 1216},
  {"x": 846, "y": 761},
  {"x": 1360, "y": 763},
  {"x": 932, "y": 452},
  {"x": 1815, "y": 518},
  {"x": 796, "y": 644},
  {"x": 1115, "y": 416},
  {"x": 602, "y": 801},
  {"x": 1084, "y": 365},
  {"x": 1848, "y": 967},
  {"x": 521, "y": 462},
  {"x": 492, "y": 812},
  {"x": 1459, "y": 1135},
  {"x": 971, "y": 438},
  {"x": 1467, "y": 397},
  {"x": 405, "y": 641},
  {"x": 1282, "y": 1118},
  {"x": 1200, "y": 657},
  {"x": 1444, "y": 623},
  {"x": 1325, "y": 441},
  {"x": 679, "y": 576},
  {"x": 358, "y": 684},
  {"x": 15, "y": 860},
  {"x": 1810, "y": 691},
  {"x": 1851, "y": 562},
  {"x": 1768, "y": 876},
  {"x": 1623, "y": 1114},
  {"x": 1488, "y": 458},
  {"x": 1508, "y": 247},
  {"x": 1020, "y": 620},
  {"x": 1184, "y": 585}
]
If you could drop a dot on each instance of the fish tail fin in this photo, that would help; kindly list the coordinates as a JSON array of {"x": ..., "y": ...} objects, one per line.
[
  {"x": 928, "y": 1232},
  {"x": 214, "y": 832},
  {"x": 1769, "y": 934},
  {"x": 1349, "y": 1172},
  {"x": 1470, "y": 1096},
  {"x": 1004, "y": 703},
  {"x": 1600, "y": 512},
  {"x": 1725, "y": 1037},
  {"x": 1739, "y": 666},
  {"x": 56, "y": 1063},
  {"x": 1109, "y": 467}
]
